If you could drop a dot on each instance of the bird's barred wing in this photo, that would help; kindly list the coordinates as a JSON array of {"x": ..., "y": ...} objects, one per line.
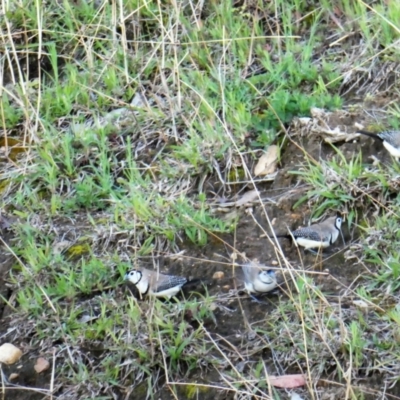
[
  {"x": 392, "y": 137},
  {"x": 168, "y": 282},
  {"x": 387, "y": 135},
  {"x": 310, "y": 234}
]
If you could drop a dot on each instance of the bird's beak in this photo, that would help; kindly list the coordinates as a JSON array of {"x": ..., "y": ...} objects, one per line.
[{"x": 126, "y": 277}]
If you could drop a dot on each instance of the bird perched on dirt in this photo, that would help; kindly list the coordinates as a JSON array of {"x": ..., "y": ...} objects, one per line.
[
  {"x": 258, "y": 280},
  {"x": 390, "y": 139},
  {"x": 155, "y": 284},
  {"x": 319, "y": 235}
]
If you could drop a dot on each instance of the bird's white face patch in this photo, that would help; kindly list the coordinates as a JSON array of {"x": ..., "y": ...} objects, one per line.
[{"x": 133, "y": 276}]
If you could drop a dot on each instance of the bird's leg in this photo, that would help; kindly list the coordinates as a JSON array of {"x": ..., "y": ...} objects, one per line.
[
  {"x": 341, "y": 234},
  {"x": 312, "y": 251},
  {"x": 4, "y": 378},
  {"x": 317, "y": 253},
  {"x": 255, "y": 300}
]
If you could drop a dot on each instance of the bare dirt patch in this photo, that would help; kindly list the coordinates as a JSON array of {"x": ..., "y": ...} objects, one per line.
[{"x": 236, "y": 315}]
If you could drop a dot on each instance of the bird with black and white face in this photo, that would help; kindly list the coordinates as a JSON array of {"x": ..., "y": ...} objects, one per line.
[
  {"x": 155, "y": 284},
  {"x": 317, "y": 236},
  {"x": 258, "y": 279},
  {"x": 390, "y": 140}
]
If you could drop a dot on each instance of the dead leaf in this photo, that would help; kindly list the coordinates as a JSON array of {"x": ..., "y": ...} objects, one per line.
[
  {"x": 287, "y": 381},
  {"x": 41, "y": 365},
  {"x": 248, "y": 197},
  {"x": 328, "y": 125},
  {"x": 9, "y": 354},
  {"x": 267, "y": 163}
]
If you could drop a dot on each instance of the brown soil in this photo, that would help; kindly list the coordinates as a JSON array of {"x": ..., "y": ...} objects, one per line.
[{"x": 250, "y": 239}]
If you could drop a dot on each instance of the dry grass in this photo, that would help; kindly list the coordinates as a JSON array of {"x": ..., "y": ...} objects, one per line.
[{"x": 126, "y": 127}]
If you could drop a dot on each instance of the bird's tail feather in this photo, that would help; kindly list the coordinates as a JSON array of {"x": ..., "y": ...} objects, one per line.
[
  {"x": 193, "y": 282},
  {"x": 196, "y": 285},
  {"x": 373, "y": 135},
  {"x": 286, "y": 236}
]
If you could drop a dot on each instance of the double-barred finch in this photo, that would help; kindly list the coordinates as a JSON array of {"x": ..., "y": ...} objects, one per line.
[
  {"x": 390, "y": 139},
  {"x": 258, "y": 280},
  {"x": 153, "y": 283},
  {"x": 319, "y": 235}
]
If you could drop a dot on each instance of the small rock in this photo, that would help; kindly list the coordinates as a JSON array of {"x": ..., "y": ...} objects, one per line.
[
  {"x": 59, "y": 247},
  {"x": 233, "y": 256},
  {"x": 274, "y": 262},
  {"x": 41, "y": 365},
  {"x": 305, "y": 120},
  {"x": 13, "y": 376},
  {"x": 251, "y": 335},
  {"x": 249, "y": 211},
  {"x": 240, "y": 366},
  {"x": 9, "y": 354},
  {"x": 361, "y": 303},
  {"x": 218, "y": 275},
  {"x": 295, "y": 396},
  {"x": 358, "y": 126}
]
